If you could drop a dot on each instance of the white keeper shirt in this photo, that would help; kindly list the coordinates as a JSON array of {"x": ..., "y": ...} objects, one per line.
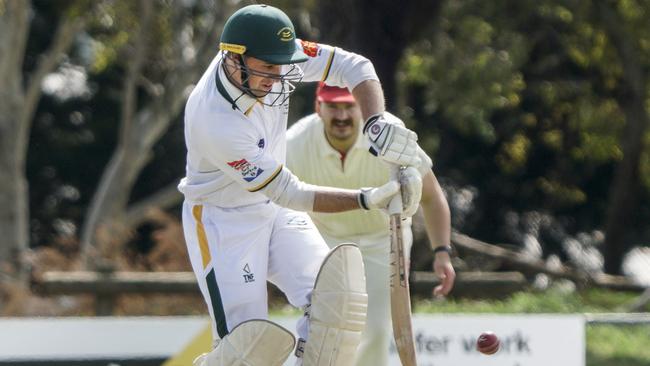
[
  {"x": 236, "y": 145},
  {"x": 315, "y": 161}
]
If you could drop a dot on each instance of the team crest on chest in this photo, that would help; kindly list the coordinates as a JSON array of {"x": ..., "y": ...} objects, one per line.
[{"x": 248, "y": 171}]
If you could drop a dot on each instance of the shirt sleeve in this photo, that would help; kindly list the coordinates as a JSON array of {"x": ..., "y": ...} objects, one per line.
[
  {"x": 235, "y": 151},
  {"x": 335, "y": 66}
]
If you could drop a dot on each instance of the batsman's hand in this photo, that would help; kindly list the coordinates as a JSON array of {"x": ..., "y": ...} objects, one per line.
[
  {"x": 379, "y": 197},
  {"x": 391, "y": 141},
  {"x": 410, "y": 182}
]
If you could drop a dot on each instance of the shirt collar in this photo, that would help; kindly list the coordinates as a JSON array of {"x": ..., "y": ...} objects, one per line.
[
  {"x": 324, "y": 147},
  {"x": 243, "y": 101}
]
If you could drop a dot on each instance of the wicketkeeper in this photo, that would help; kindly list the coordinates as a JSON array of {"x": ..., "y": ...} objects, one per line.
[{"x": 328, "y": 147}]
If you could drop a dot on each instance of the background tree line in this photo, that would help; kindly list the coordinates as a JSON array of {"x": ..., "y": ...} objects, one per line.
[{"x": 534, "y": 112}]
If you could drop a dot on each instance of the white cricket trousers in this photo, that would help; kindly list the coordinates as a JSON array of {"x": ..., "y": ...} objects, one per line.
[
  {"x": 375, "y": 338},
  {"x": 234, "y": 251}
]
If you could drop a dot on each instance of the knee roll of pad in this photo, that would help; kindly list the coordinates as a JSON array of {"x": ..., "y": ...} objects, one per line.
[
  {"x": 251, "y": 343},
  {"x": 337, "y": 314}
]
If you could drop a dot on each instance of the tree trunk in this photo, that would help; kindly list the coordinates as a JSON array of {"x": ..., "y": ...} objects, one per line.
[
  {"x": 17, "y": 106},
  {"x": 14, "y": 214},
  {"x": 105, "y": 226},
  {"x": 624, "y": 191}
]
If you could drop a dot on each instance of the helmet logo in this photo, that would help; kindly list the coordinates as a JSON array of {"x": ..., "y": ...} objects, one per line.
[{"x": 286, "y": 34}]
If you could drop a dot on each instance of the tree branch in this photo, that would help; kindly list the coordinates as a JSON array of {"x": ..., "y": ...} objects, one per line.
[
  {"x": 164, "y": 198},
  {"x": 134, "y": 67},
  {"x": 154, "y": 119},
  {"x": 47, "y": 62},
  {"x": 13, "y": 27},
  {"x": 516, "y": 259}
]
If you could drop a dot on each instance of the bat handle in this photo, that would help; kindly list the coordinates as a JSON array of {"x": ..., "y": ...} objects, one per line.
[{"x": 395, "y": 205}]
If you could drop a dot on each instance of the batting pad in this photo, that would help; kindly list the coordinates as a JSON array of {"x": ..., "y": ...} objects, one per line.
[
  {"x": 339, "y": 304},
  {"x": 251, "y": 343}
]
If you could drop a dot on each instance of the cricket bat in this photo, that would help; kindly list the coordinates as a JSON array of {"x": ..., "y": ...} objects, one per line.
[{"x": 400, "y": 299}]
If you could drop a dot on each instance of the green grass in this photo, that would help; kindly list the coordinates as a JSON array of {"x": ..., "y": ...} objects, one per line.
[
  {"x": 609, "y": 345},
  {"x": 551, "y": 301}
]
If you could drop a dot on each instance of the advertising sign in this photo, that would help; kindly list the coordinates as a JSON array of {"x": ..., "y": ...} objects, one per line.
[{"x": 526, "y": 340}]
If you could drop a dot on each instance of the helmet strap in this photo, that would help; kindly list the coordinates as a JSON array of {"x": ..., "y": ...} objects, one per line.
[{"x": 244, "y": 73}]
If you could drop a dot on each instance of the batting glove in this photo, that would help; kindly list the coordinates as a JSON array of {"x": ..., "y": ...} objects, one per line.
[
  {"x": 391, "y": 142},
  {"x": 410, "y": 182},
  {"x": 373, "y": 198}
]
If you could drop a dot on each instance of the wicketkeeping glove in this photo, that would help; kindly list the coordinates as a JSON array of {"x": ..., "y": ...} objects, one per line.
[{"x": 391, "y": 142}]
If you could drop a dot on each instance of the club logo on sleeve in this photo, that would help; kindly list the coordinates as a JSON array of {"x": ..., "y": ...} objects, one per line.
[
  {"x": 260, "y": 143},
  {"x": 309, "y": 48},
  {"x": 248, "y": 171}
]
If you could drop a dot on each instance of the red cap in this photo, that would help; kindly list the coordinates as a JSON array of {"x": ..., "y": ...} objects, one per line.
[{"x": 333, "y": 94}]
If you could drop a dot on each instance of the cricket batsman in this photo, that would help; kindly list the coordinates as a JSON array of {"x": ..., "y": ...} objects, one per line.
[{"x": 244, "y": 214}]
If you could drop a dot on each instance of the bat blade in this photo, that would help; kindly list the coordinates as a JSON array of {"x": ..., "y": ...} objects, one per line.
[{"x": 400, "y": 299}]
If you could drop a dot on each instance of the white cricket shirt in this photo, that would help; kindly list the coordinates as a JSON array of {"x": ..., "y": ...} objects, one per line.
[{"x": 236, "y": 145}]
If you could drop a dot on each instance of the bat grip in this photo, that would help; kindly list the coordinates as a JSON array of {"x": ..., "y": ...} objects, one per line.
[{"x": 395, "y": 205}]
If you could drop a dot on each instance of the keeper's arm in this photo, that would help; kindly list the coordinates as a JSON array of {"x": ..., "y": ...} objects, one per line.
[{"x": 437, "y": 221}]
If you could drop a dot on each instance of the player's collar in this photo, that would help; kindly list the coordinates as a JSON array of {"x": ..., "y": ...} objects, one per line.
[
  {"x": 324, "y": 147},
  {"x": 233, "y": 95}
]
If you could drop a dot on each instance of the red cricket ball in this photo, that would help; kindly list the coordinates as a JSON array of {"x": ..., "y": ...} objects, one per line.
[{"x": 488, "y": 343}]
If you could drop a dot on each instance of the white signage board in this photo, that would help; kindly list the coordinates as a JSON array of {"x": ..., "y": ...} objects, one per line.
[
  {"x": 440, "y": 340},
  {"x": 526, "y": 340},
  {"x": 24, "y": 339}
]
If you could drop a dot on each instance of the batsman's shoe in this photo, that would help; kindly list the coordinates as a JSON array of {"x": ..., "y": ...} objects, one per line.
[
  {"x": 251, "y": 343},
  {"x": 337, "y": 314}
]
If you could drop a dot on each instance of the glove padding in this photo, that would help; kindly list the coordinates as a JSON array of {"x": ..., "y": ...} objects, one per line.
[
  {"x": 391, "y": 142},
  {"x": 410, "y": 181},
  {"x": 379, "y": 197}
]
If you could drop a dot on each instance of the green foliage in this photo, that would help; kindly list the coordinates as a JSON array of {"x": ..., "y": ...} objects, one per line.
[
  {"x": 469, "y": 71},
  {"x": 115, "y": 27},
  {"x": 523, "y": 100},
  {"x": 112, "y": 31}
]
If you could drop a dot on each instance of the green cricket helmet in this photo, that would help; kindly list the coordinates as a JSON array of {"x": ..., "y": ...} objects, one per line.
[{"x": 263, "y": 32}]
